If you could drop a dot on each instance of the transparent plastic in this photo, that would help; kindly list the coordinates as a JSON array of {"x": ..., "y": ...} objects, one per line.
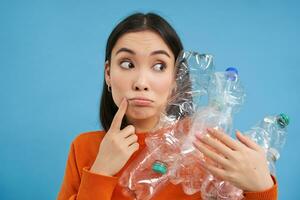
[
  {"x": 150, "y": 171},
  {"x": 225, "y": 96},
  {"x": 270, "y": 134},
  {"x": 202, "y": 99}
]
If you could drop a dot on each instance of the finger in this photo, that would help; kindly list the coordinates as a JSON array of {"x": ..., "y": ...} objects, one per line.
[
  {"x": 247, "y": 141},
  {"x": 131, "y": 139},
  {"x": 216, "y": 171},
  {"x": 216, "y": 144},
  {"x": 224, "y": 138},
  {"x": 211, "y": 154},
  {"x": 133, "y": 148},
  {"x": 127, "y": 131},
  {"x": 117, "y": 120}
]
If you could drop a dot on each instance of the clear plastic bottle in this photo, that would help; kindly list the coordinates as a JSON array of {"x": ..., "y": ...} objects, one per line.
[
  {"x": 226, "y": 99},
  {"x": 150, "y": 170},
  {"x": 194, "y": 71},
  {"x": 147, "y": 175},
  {"x": 226, "y": 95},
  {"x": 270, "y": 134}
]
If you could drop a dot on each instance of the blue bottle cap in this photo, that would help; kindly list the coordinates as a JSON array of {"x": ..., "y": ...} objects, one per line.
[
  {"x": 232, "y": 69},
  {"x": 232, "y": 73}
]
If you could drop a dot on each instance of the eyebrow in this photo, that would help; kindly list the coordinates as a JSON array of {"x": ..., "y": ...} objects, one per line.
[{"x": 153, "y": 53}]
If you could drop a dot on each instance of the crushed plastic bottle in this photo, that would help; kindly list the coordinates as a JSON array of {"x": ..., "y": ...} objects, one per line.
[
  {"x": 150, "y": 170},
  {"x": 144, "y": 179},
  {"x": 226, "y": 95},
  {"x": 270, "y": 134}
]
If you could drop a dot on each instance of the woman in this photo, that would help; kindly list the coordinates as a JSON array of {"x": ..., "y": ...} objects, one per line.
[{"x": 139, "y": 78}]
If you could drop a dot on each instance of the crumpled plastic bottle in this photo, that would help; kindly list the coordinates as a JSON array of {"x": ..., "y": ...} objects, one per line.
[
  {"x": 270, "y": 134},
  {"x": 150, "y": 170},
  {"x": 226, "y": 95}
]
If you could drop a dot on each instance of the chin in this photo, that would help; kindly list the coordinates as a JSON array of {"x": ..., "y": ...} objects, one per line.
[{"x": 141, "y": 113}]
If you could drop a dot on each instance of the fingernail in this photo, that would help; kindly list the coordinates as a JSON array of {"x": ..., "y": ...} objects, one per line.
[
  {"x": 196, "y": 142},
  {"x": 206, "y": 136},
  {"x": 203, "y": 137},
  {"x": 198, "y": 134},
  {"x": 210, "y": 130}
]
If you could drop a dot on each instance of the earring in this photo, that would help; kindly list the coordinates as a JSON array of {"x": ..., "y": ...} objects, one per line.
[{"x": 108, "y": 88}]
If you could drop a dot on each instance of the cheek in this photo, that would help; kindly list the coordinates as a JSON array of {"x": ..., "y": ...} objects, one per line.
[
  {"x": 120, "y": 86},
  {"x": 163, "y": 88}
]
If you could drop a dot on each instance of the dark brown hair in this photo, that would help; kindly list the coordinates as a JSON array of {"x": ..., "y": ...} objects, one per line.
[{"x": 134, "y": 23}]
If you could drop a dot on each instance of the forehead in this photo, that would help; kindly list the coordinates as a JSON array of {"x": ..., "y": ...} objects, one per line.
[{"x": 142, "y": 42}]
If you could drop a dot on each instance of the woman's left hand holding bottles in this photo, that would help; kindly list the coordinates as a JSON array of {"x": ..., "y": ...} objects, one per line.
[{"x": 241, "y": 162}]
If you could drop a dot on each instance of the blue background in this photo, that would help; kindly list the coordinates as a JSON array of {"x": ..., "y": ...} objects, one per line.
[{"x": 51, "y": 74}]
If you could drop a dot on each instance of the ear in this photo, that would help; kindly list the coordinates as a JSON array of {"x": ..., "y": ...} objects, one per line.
[
  {"x": 107, "y": 72},
  {"x": 174, "y": 88},
  {"x": 172, "y": 91}
]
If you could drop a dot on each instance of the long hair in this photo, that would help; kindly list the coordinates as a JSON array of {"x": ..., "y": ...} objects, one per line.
[{"x": 134, "y": 23}]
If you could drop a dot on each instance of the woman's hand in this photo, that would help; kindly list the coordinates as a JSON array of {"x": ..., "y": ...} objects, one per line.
[
  {"x": 242, "y": 162},
  {"x": 117, "y": 145}
]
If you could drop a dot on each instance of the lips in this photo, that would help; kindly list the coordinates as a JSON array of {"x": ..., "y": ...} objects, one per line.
[{"x": 141, "y": 101}]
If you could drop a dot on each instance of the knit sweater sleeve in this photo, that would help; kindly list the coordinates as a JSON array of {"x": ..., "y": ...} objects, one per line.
[
  {"x": 81, "y": 184},
  {"x": 269, "y": 194}
]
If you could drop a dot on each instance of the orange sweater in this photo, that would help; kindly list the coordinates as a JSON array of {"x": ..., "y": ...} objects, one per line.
[{"x": 79, "y": 183}]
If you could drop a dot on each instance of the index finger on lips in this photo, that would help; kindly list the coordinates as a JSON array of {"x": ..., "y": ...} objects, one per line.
[{"x": 117, "y": 120}]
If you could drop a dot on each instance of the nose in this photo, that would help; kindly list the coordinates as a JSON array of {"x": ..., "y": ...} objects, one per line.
[{"x": 141, "y": 83}]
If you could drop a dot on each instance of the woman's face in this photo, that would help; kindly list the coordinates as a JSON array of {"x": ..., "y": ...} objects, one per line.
[{"x": 142, "y": 71}]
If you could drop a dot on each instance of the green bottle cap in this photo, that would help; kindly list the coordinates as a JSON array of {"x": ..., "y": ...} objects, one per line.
[
  {"x": 159, "y": 167},
  {"x": 283, "y": 120}
]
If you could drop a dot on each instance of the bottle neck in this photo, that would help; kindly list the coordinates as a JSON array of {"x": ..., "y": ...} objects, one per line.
[{"x": 273, "y": 155}]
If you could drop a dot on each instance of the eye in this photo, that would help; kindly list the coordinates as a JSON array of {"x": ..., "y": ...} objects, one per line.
[
  {"x": 159, "y": 67},
  {"x": 126, "y": 64}
]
